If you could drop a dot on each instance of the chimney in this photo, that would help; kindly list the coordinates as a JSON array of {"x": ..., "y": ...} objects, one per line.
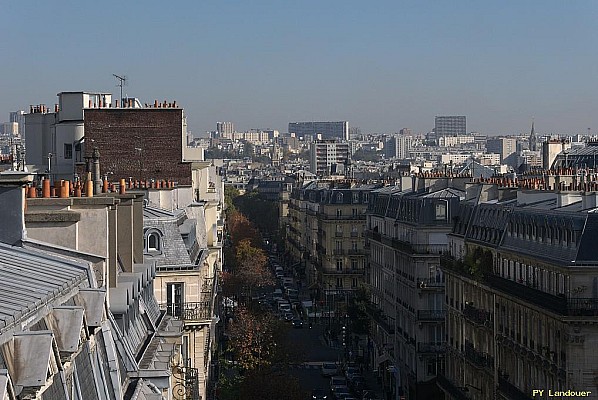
[
  {"x": 45, "y": 188},
  {"x": 97, "y": 180},
  {"x": 32, "y": 192},
  {"x": 12, "y": 212},
  {"x": 122, "y": 189},
  {"x": 89, "y": 186},
  {"x": 116, "y": 103}
]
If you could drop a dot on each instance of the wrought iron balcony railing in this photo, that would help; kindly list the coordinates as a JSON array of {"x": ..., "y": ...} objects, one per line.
[
  {"x": 189, "y": 311},
  {"x": 430, "y": 283},
  {"x": 431, "y": 315},
  {"x": 431, "y": 347},
  {"x": 477, "y": 316}
]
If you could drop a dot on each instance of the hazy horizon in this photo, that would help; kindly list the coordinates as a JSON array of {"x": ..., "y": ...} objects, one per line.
[{"x": 263, "y": 64}]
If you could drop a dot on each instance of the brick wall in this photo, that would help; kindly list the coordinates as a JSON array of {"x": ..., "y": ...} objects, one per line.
[{"x": 117, "y": 133}]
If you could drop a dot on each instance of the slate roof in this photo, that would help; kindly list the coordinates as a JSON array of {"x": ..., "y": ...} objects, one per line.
[
  {"x": 31, "y": 279},
  {"x": 490, "y": 225}
]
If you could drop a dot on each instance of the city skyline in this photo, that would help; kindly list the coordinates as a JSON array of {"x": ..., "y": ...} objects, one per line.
[{"x": 381, "y": 67}]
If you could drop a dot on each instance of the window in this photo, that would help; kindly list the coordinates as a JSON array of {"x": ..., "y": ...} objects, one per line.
[
  {"x": 339, "y": 212},
  {"x": 354, "y": 283},
  {"x": 356, "y": 197},
  {"x": 68, "y": 151},
  {"x": 152, "y": 241},
  {"x": 78, "y": 153},
  {"x": 354, "y": 245},
  {"x": 174, "y": 299},
  {"x": 339, "y": 282},
  {"x": 355, "y": 212},
  {"x": 441, "y": 211},
  {"x": 354, "y": 265},
  {"x": 339, "y": 264}
]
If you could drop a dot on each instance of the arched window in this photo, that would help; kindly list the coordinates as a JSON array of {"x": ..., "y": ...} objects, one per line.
[{"x": 153, "y": 241}]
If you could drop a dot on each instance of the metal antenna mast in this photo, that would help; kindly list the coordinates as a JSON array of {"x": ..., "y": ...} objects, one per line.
[{"x": 122, "y": 82}]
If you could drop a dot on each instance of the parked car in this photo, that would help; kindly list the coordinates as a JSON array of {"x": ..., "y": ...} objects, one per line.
[
  {"x": 357, "y": 383},
  {"x": 340, "y": 391},
  {"x": 319, "y": 394},
  {"x": 350, "y": 371},
  {"x": 329, "y": 369},
  {"x": 288, "y": 317},
  {"x": 336, "y": 381}
]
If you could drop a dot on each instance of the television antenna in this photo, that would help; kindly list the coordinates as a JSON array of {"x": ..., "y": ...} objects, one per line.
[{"x": 122, "y": 82}]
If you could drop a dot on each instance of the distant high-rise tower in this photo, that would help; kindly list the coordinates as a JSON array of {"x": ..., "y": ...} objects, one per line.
[
  {"x": 19, "y": 118},
  {"x": 328, "y": 130},
  {"x": 451, "y": 125},
  {"x": 225, "y": 129},
  {"x": 398, "y": 146},
  {"x": 329, "y": 157},
  {"x": 533, "y": 141}
]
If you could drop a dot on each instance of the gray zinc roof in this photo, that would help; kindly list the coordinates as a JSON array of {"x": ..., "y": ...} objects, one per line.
[{"x": 29, "y": 279}]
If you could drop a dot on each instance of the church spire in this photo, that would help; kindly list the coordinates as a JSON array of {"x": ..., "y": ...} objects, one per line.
[{"x": 532, "y": 138}]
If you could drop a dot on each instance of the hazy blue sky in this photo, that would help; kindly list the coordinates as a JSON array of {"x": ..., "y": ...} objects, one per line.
[{"x": 381, "y": 65}]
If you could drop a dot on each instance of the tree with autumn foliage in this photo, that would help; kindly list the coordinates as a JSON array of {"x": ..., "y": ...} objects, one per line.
[
  {"x": 261, "y": 353},
  {"x": 251, "y": 337},
  {"x": 241, "y": 228}
]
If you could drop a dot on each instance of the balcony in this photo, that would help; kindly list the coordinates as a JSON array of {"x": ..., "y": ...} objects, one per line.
[
  {"x": 431, "y": 315},
  {"x": 479, "y": 359},
  {"x": 379, "y": 318},
  {"x": 334, "y": 217},
  {"x": 409, "y": 248},
  {"x": 354, "y": 234},
  {"x": 456, "y": 392},
  {"x": 358, "y": 252},
  {"x": 430, "y": 283},
  {"x": 478, "y": 316},
  {"x": 573, "y": 306},
  {"x": 338, "y": 234},
  {"x": 511, "y": 391},
  {"x": 189, "y": 312},
  {"x": 431, "y": 347},
  {"x": 177, "y": 268},
  {"x": 185, "y": 381}
]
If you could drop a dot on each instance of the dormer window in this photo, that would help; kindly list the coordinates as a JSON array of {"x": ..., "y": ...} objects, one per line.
[{"x": 153, "y": 241}]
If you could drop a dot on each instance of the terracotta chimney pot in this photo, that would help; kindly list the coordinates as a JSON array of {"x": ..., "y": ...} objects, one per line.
[
  {"x": 45, "y": 188},
  {"x": 89, "y": 188}
]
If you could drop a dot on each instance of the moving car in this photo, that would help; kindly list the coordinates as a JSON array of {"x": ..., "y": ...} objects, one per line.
[
  {"x": 297, "y": 323},
  {"x": 319, "y": 394}
]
